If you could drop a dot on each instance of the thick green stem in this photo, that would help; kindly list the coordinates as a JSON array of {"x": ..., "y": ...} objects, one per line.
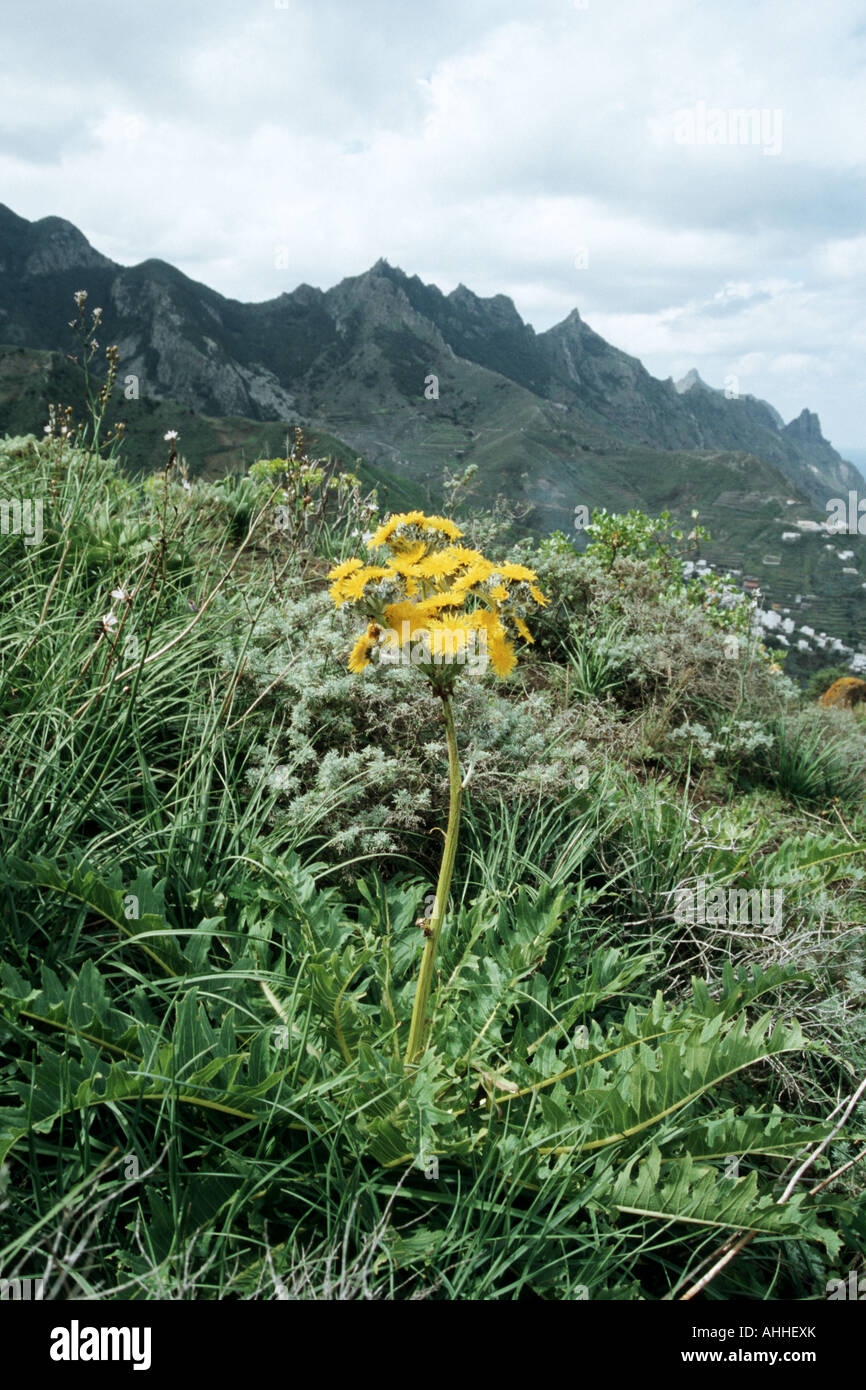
[{"x": 420, "y": 1022}]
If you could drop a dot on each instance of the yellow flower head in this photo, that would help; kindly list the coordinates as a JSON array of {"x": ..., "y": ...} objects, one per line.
[
  {"x": 448, "y": 598},
  {"x": 403, "y": 531},
  {"x": 350, "y": 588},
  {"x": 503, "y": 657},
  {"x": 521, "y": 575},
  {"x": 345, "y": 568},
  {"x": 451, "y": 561},
  {"x": 432, "y": 602},
  {"x": 398, "y": 615},
  {"x": 366, "y": 643},
  {"x": 339, "y": 574}
]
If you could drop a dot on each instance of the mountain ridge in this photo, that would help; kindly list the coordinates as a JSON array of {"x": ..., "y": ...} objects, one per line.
[
  {"x": 273, "y": 358},
  {"x": 390, "y": 370}
]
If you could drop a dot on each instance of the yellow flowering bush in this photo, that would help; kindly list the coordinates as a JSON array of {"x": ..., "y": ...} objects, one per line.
[{"x": 433, "y": 603}]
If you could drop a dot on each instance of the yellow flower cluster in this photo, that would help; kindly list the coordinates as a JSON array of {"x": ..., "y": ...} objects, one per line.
[{"x": 437, "y": 597}]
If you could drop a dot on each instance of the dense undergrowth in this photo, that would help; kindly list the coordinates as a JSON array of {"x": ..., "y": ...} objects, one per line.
[{"x": 217, "y": 844}]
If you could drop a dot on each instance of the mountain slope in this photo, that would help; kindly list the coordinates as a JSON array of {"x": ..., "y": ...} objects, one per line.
[{"x": 31, "y": 381}]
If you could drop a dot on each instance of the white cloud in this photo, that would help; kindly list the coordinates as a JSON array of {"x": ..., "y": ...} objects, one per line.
[{"x": 487, "y": 144}]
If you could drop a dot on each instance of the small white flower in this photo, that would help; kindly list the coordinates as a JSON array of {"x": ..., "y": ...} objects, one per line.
[
  {"x": 80, "y": 296},
  {"x": 187, "y": 485},
  {"x": 170, "y": 435},
  {"x": 122, "y": 595},
  {"x": 47, "y": 429},
  {"x": 109, "y": 621}
]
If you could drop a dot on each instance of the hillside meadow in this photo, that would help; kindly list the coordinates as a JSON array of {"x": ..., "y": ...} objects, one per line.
[{"x": 624, "y": 857}]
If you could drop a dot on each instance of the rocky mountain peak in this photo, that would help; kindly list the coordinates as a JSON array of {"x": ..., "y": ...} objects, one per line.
[
  {"x": 57, "y": 245},
  {"x": 806, "y": 426},
  {"x": 498, "y": 311},
  {"x": 305, "y": 295},
  {"x": 691, "y": 378}
]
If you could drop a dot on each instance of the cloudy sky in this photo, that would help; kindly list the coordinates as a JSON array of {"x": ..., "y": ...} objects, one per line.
[{"x": 570, "y": 154}]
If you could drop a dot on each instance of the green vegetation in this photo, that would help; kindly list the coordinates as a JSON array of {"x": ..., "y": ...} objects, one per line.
[{"x": 217, "y": 845}]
